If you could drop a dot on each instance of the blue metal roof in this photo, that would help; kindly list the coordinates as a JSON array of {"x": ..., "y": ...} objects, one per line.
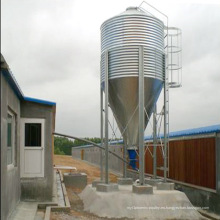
[
  {"x": 40, "y": 101},
  {"x": 183, "y": 133},
  {"x": 190, "y": 132},
  {"x": 16, "y": 88},
  {"x": 196, "y": 131}
]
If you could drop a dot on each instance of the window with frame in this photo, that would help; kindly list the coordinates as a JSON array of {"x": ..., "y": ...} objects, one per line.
[
  {"x": 11, "y": 139},
  {"x": 32, "y": 134}
]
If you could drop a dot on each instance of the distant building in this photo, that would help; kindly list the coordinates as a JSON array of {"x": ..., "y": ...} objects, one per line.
[{"x": 27, "y": 127}]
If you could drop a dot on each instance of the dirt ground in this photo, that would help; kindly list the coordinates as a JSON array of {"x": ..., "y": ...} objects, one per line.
[
  {"x": 76, "y": 203},
  {"x": 92, "y": 172}
]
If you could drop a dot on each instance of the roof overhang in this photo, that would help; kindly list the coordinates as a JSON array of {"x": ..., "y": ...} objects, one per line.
[{"x": 5, "y": 70}]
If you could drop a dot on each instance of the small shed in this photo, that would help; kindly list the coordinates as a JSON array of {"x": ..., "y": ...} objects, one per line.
[{"x": 27, "y": 127}]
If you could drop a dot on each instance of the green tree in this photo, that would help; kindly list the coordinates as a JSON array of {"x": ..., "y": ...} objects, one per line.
[
  {"x": 63, "y": 146},
  {"x": 58, "y": 151}
]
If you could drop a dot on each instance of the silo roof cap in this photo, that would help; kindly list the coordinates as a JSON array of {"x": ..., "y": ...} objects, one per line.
[
  {"x": 132, "y": 11},
  {"x": 131, "y": 8}
]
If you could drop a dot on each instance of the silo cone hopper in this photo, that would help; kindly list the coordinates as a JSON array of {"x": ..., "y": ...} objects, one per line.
[
  {"x": 123, "y": 99},
  {"x": 126, "y": 39}
]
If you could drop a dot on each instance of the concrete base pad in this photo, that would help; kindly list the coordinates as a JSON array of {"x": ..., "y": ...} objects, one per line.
[
  {"x": 75, "y": 179},
  {"x": 103, "y": 187},
  {"x": 160, "y": 205},
  {"x": 125, "y": 181},
  {"x": 152, "y": 182},
  {"x": 142, "y": 189},
  {"x": 96, "y": 182},
  {"x": 165, "y": 186}
]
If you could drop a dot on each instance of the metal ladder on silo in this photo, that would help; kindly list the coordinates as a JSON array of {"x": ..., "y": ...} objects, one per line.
[
  {"x": 170, "y": 68},
  {"x": 166, "y": 95},
  {"x": 173, "y": 76},
  {"x": 166, "y": 107}
]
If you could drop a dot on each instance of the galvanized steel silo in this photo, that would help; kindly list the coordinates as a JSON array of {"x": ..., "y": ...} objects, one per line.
[{"x": 121, "y": 37}]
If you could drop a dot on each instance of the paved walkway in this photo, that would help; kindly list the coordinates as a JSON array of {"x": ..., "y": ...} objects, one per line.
[
  {"x": 29, "y": 210},
  {"x": 60, "y": 199},
  {"x": 24, "y": 211}
]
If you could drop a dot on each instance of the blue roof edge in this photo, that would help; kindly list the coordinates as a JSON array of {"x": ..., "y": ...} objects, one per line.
[
  {"x": 182, "y": 133},
  {"x": 12, "y": 81},
  {"x": 190, "y": 132},
  {"x": 196, "y": 131},
  {"x": 7, "y": 73},
  {"x": 40, "y": 101}
]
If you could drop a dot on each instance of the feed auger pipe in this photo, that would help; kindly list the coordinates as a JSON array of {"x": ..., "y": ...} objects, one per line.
[{"x": 90, "y": 142}]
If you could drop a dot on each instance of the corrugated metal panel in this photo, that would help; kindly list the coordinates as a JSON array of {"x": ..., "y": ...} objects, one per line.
[
  {"x": 190, "y": 161},
  {"x": 193, "y": 161},
  {"x": 122, "y": 36}
]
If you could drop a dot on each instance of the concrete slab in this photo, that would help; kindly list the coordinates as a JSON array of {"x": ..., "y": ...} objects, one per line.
[
  {"x": 165, "y": 186},
  {"x": 125, "y": 181},
  {"x": 103, "y": 187},
  {"x": 142, "y": 189},
  {"x": 96, "y": 182},
  {"x": 78, "y": 180},
  {"x": 39, "y": 215},
  {"x": 60, "y": 167},
  {"x": 152, "y": 182},
  {"x": 60, "y": 198},
  {"x": 24, "y": 211},
  {"x": 54, "y": 195},
  {"x": 125, "y": 204}
]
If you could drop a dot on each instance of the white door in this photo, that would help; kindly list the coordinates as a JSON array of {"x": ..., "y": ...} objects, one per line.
[{"x": 32, "y": 147}]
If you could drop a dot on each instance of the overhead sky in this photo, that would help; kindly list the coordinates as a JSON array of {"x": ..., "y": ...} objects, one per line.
[{"x": 53, "y": 50}]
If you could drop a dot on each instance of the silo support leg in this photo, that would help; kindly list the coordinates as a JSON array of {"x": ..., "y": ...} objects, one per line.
[
  {"x": 106, "y": 186},
  {"x": 125, "y": 180},
  {"x": 141, "y": 116},
  {"x": 141, "y": 188},
  {"x": 124, "y": 164}
]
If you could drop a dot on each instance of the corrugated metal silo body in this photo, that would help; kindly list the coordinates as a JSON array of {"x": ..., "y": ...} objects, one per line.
[{"x": 122, "y": 36}]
